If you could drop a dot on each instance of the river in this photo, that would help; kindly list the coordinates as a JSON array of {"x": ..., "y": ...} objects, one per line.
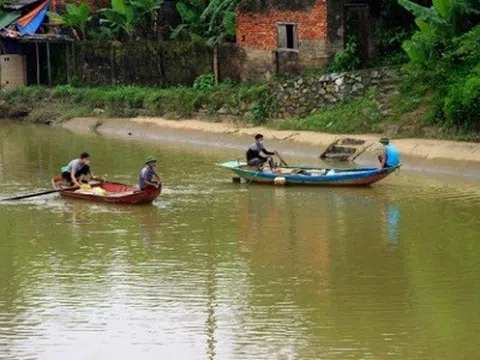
[{"x": 216, "y": 270}]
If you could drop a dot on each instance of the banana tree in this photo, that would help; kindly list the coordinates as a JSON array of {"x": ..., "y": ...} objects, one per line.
[
  {"x": 445, "y": 19},
  {"x": 210, "y": 25},
  {"x": 120, "y": 17},
  {"x": 129, "y": 16},
  {"x": 76, "y": 17}
]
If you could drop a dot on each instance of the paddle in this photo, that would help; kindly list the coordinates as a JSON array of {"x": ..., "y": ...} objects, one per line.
[
  {"x": 282, "y": 162},
  {"x": 258, "y": 172},
  {"x": 37, "y": 194}
]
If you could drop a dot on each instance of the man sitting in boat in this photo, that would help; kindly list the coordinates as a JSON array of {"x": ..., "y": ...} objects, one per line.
[
  {"x": 254, "y": 157},
  {"x": 77, "y": 170},
  {"x": 148, "y": 175},
  {"x": 390, "y": 156}
]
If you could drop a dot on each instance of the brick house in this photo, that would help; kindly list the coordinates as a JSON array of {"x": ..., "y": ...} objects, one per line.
[{"x": 286, "y": 36}]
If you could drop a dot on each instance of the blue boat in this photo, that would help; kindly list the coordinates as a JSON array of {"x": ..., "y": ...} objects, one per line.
[{"x": 309, "y": 175}]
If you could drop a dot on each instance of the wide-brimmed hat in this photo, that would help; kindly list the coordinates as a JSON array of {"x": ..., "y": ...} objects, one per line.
[
  {"x": 258, "y": 136},
  {"x": 150, "y": 159},
  {"x": 384, "y": 141}
]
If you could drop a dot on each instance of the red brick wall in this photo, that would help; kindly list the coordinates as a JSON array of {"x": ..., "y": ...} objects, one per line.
[{"x": 259, "y": 30}]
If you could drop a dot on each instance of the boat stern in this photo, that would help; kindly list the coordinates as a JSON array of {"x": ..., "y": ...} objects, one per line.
[{"x": 232, "y": 164}]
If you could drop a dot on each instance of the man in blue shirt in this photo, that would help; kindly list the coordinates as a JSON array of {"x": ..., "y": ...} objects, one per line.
[
  {"x": 148, "y": 175},
  {"x": 77, "y": 170},
  {"x": 390, "y": 156}
]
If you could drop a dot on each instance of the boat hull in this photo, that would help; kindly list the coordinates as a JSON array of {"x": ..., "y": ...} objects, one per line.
[
  {"x": 117, "y": 193},
  {"x": 333, "y": 177}
]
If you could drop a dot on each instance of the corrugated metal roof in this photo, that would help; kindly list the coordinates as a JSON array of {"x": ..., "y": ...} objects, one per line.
[
  {"x": 8, "y": 18},
  {"x": 37, "y": 38},
  {"x": 18, "y": 4}
]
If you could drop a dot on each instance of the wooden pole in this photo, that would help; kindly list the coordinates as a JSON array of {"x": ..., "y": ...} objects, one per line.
[
  {"x": 37, "y": 52},
  {"x": 277, "y": 62},
  {"x": 49, "y": 65},
  {"x": 215, "y": 65},
  {"x": 67, "y": 62},
  {"x": 74, "y": 59},
  {"x": 112, "y": 62}
]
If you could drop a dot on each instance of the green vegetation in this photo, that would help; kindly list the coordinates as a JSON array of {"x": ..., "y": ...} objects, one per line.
[
  {"x": 444, "y": 61},
  {"x": 2, "y": 2},
  {"x": 345, "y": 60},
  {"x": 37, "y": 103},
  {"x": 209, "y": 23},
  {"x": 203, "y": 22},
  {"x": 339, "y": 119},
  {"x": 440, "y": 46},
  {"x": 76, "y": 17},
  {"x": 204, "y": 82},
  {"x": 125, "y": 17},
  {"x": 123, "y": 20},
  {"x": 389, "y": 43},
  {"x": 413, "y": 114}
]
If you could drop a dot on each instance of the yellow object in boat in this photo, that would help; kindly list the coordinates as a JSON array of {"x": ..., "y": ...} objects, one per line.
[
  {"x": 99, "y": 191},
  {"x": 85, "y": 187}
]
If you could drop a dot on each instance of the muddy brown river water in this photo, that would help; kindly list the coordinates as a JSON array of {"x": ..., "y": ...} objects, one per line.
[{"x": 216, "y": 270}]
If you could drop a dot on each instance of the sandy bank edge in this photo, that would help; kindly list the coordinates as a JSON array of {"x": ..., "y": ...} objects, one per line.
[{"x": 416, "y": 148}]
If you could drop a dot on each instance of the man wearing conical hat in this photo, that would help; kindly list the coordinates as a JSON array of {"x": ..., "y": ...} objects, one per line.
[{"x": 148, "y": 176}]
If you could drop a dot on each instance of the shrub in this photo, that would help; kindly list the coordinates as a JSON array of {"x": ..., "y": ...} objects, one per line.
[
  {"x": 345, "y": 60},
  {"x": 180, "y": 101},
  {"x": 389, "y": 42},
  {"x": 63, "y": 91},
  {"x": 462, "y": 104},
  {"x": 20, "y": 94},
  {"x": 204, "y": 82}
]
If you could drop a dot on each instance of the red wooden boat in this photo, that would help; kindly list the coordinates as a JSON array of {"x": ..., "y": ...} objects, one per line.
[{"x": 114, "y": 193}]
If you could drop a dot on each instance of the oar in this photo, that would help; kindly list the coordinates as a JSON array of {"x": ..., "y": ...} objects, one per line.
[
  {"x": 281, "y": 159},
  {"x": 258, "y": 172},
  {"x": 37, "y": 194}
]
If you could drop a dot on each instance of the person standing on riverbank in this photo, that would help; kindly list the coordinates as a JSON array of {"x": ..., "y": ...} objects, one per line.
[
  {"x": 148, "y": 176},
  {"x": 254, "y": 157},
  {"x": 77, "y": 170},
  {"x": 390, "y": 155}
]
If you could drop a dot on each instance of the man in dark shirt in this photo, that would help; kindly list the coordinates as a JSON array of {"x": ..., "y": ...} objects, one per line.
[{"x": 254, "y": 157}]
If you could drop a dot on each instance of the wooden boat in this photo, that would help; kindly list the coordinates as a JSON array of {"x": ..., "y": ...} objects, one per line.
[
  {"x": 114, "y": 193},
  {"x": 309, "y": 175}
]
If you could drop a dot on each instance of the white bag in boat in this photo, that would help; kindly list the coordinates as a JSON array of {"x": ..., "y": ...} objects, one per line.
[{"x": 280, "y": 180}]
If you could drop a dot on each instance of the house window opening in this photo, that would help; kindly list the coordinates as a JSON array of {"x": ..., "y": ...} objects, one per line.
[{"x": 288, "y": 36}]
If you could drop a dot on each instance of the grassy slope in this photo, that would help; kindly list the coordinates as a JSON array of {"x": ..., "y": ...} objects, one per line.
[{"x": 397, "y": 114}]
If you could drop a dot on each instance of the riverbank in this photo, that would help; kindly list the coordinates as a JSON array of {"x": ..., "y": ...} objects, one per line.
[
  {"x": 147, "y": 112},
  {"x": 383, "y": 110},
  {"x": 155, "y": 128}
]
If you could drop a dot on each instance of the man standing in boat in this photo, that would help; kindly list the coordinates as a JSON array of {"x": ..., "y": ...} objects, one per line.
[
  {"x": 77, "y": 170},
  {"x": 254, "y": 157},
  {"x": 390, "y": 156},
  {"x": 148, "y": 176}
]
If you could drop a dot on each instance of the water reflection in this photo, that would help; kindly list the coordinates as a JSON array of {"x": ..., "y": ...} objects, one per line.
[
  {"x": 150, "y": 221},
  {"x": 211, "y": 300},
  {"x": 392, "y": 222},
  {"x": 291, "y": 250}
]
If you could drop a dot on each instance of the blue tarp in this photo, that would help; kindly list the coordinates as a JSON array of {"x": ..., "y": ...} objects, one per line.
[{"x": 29, "y": 24}]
